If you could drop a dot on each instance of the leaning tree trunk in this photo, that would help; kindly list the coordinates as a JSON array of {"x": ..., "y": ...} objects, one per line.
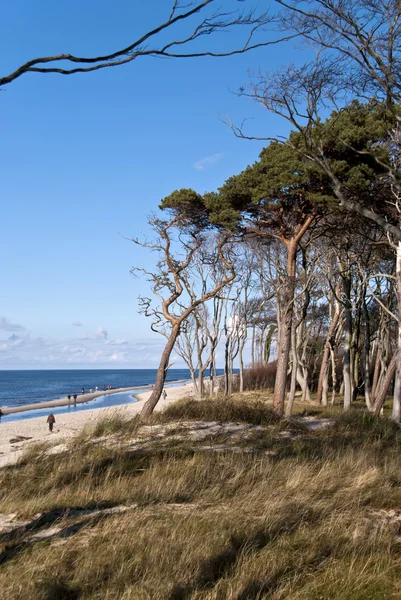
[
  {"x": 161, "y": 373},
  {"x": 381, "y": 396},
  {"x": 378, "y": 362},
  {"x": 283, "y": 351},
  {"x": 326, "y": 353}
]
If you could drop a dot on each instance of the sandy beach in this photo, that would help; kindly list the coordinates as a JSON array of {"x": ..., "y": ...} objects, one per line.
[{"x": 16, "y": 436}]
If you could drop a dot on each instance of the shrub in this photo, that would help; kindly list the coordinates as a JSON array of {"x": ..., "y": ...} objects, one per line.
[{"x": 260, "y": 377}]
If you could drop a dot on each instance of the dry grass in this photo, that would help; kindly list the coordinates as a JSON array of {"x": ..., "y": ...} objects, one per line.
[{"x": 213, "y": 526}]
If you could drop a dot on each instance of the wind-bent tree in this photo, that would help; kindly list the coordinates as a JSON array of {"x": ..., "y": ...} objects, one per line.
[
  {"x": 357, "y": 46},
  {"x": 201, "y": 332},
  {"x": 178, "y": 36},
  {"x": 177, "y": 242},
  {"x": 280, "y": 197}
]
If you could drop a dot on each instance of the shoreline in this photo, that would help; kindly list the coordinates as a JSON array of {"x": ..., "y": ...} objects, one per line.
[
  {"x": 17, "y": 436},
  {"x": 81, "y": 399}
]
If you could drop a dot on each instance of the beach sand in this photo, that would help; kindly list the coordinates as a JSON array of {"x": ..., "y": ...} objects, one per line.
[{"x": 69, "y": 424}]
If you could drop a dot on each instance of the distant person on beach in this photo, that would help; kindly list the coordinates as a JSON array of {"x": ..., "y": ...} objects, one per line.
[
  {"x": 109, "y": 386},
  {"x": 1, "y": 414},
  {"x": 75, "y": 399},
  {"x": 51, "y": 420},
  {"x": 69, "y": 397},
  {"x": 83, "y": 390},
  {"x": 164, "y": 394},
  {"x": 96, "y": 389},
  {"x": 90, "y": 390}
]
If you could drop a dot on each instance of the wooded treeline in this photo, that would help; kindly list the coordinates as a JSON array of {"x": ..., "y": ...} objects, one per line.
[{"x": 301, "y": 252}]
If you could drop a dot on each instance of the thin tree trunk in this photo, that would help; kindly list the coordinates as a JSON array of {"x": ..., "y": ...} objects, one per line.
[
  {"x": 201, "y": 385},
  {"x": 381, "y": 396},
  {"x": 226, "y": 370},
  {"x": 253, "y": 346},
  {"x": 396, "y": 413},
  {"x": 333, "y": 376},
  {"x": 150, "y": 404},
  {"x": 326, "y": 353},
  {"x": 378, "y": 362},
  {"x": 285, "y": 332},
  {"x": 291, "y": 396},
  {"x": 268, "y": 343},
  {"x": 325, "y": 388},
  {"x": 347, "y": 342},
  {"x": 366, "y": 357},
  {"x": 241, "y": 367},
  {"x": 302, "y": 380}
]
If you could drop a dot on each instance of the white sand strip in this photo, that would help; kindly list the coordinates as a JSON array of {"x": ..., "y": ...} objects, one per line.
[
  {"x": 69, "y": 424},
  {"x": 65, "y": 402}
]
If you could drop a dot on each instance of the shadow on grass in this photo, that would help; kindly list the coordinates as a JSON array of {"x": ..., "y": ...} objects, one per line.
[
  {"x": 57, "y": 589},
  {"x": 222, "y": 564},
  {"x": 16, "y": 546}
]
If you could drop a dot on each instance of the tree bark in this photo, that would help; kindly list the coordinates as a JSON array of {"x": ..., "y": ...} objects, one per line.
[
  {"x": 291, "y": 396},
  {"x": 253, "y": 346},
  {"x": 241, "y": 367},
  {"x": 381, "y": 396},
  {"x": 333, "y": 376},
  {"x": 378, "y": 361},
  {"x": 396, "y": 413},
  {"x": 285, "y": 331},
  {"x": 347, "y": 342},
  {"x": 268, "y": 343},
  {"x": 326, "y": 352},
  {"x": 366, "y": 358},
  {"x": 150, "y": 404}
]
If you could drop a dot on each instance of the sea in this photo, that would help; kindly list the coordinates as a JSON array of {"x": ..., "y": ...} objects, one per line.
[{"x": 30, "y": 387}]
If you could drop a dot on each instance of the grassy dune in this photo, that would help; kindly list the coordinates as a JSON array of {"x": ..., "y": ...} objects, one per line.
[{"x": 297, "y": 514}]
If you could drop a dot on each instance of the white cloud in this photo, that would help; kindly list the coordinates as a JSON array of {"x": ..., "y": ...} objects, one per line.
[
  {"x": 208, "y": 161},
  {"x": 117, "y": 356},
  {"x": 22, "y": 350},
  {"x": 119, "y": 342},
  {"x": 103, "y": 332},
  {"x": 7, "y": 326}
]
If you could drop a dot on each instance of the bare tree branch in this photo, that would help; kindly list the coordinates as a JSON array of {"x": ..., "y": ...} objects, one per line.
[{"x": 147, "y": 44}]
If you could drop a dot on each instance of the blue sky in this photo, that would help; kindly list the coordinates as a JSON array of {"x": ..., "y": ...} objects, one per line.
[{"x": 86, "y": 158}]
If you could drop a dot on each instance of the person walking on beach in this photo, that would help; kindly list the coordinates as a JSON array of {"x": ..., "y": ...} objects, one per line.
[
  {"x": 69, "y": 398},
  {"x": 83, "y": 391},
  {"x": 75, "y": 399},
  {"x": 1, "y": 414},
  {"x": 96, "y": 389},
  {"x": 90, "y": 390},
  {"x": 51, "y": 420},
  {"x": 164, "y": 394}
]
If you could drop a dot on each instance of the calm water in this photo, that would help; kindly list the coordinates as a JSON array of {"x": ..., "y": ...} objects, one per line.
[{"x": 29, "y": 387}]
